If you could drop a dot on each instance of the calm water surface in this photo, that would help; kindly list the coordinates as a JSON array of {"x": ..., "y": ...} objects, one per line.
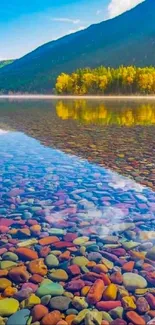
[
  {"x": 118, "y": 135},
  {"x": 62, "y": 191}
]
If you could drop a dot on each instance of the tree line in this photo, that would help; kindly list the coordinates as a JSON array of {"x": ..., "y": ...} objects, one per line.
[{"x": 102, "y": 80}]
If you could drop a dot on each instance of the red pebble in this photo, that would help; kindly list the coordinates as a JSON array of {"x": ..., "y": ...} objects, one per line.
[
  {"x": 44, "y": 251},
  {"x": 74, "y": 269},
  {"x": 32, "y": 222},
  {"x": 118, "y": 252},
  {"x": 4, "y": 229},
  {"x": 108, "y": 305},
  {"x": 6, "y": 222},
  {"x": 63, "y": 244},
  {"x": 135, "y": 318},
  {"x": 75, "y": 285},
  {"x": 116, "y": 278},
  {"x": 3, "y": 250},
  {"x": 36, "y": 278},
  {"x": 118, "y": 321},
  {"x": 38, "y": 312},
  {"x": 150, "y": 299},
  {"x": 70, "y": 237}
]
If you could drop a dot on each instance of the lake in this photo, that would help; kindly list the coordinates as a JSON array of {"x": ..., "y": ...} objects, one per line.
[{"x": 77, "y": 202}]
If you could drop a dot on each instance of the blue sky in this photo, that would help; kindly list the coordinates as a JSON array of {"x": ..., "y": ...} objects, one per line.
[{"x": 27, "y": 24}]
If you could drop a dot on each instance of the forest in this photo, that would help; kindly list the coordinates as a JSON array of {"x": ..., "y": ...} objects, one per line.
[{"x": 123, "y": 80}]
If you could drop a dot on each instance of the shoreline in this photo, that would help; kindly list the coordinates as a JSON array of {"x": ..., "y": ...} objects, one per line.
[{"x": 95, "y": 97}]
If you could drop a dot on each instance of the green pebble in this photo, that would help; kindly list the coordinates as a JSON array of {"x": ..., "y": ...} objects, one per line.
[
  {"x": 53, "y": 289},
  {"x": 56, "y": 231},
  {"x": 51, "y": 261},
  {"x": 84, "y": 269},
  {"x": 116, "y": 312},
  {"x": 10, "y": 256},
  {"x": 79, "y": 303},
  {"x": 80, "y": 261},
  {"x": 130, "y": 245},
  {"x": 45, "y": 300},
  {"x": 72, "y": 311},
  {"x": 5, "y": 265},
  {"x": 92, "y": 248},
  {"x": 106, "y": 316},
  {"x": 81, "y": 316}
]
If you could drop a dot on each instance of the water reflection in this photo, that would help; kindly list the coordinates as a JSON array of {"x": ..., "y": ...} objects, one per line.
[
  {"x": 126, "y": 149},
  {"x": 102, "y": 113}
]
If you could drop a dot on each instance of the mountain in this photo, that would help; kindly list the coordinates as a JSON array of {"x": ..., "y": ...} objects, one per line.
[
  {"x": 5, "y": 62},
  {"x": 127, "y": 39}
]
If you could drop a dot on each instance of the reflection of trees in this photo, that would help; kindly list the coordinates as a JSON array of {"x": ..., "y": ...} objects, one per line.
[{"x": 88, "y": 112}]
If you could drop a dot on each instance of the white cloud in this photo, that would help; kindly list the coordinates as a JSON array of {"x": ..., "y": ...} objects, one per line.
[
  {"x": 117, "y": 7},
  {"x": 76, "y": 30},
  {"x": 67, "y": 20}
]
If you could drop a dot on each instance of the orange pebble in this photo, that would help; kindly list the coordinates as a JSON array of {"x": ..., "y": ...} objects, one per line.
[
  {"x": 65, "y": 255},
  {"x": 3, "y": 273},
  {"x": 9, "y": 291},
  {"x": 96, "y": 292},
  {"x": 69, "y": 319},
  {"x": 105, "y": 322},
  {"x": 137, "y": 255},
  {"x": 151, "y": 313},
  {"x": 91, "y": 264},
  {"x": 1, "y": 297},
  {"x": 72, "y": 249},
  {"x": 62, "y": 322},
  {"x": 35, "y": 228},
  {"x": 13, "y": 231},
  {"x": 128, "y": 267},
  {"x": 105, "y": 278},
  {"x": 85, "y": 290},
  {"x": 100, "y": 268}
]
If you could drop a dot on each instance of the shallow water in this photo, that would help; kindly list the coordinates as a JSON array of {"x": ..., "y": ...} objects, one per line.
[
  {"x": 119, "y": 135},
  {"x": 52, "y": 201},
  {"x": 57, "y": 181}
]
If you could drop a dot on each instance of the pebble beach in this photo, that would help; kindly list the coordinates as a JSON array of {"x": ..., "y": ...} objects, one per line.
[{"x": 76, "y": 240}]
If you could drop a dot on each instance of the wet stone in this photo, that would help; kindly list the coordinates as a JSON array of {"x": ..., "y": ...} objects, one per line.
[
  {"x": 76, "y": 239},
  {"x": 60, "y": 303}
]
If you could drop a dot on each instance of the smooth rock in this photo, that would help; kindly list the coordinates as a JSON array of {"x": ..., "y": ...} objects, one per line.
[
  {"x": 80, "y": 261},
  {"x": 53, "y": 289},
  {"x": 133, "y": 281},
  {"x": 8, "y": 306},
  {"x": 10, "y": 256},
  {"x": 51, "y": 261},
  {"x": 58, "y": 275},
  {"x": 19, "y": 318},
  {"x": 6, "y": 265},
  {"x": 38, "y": 312},
  {"x": 60, "y": 303},
  {"x": 4, "y": 283}
]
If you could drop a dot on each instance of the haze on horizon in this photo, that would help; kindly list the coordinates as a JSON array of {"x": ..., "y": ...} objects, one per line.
[{"x": 25, "y": 26}]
